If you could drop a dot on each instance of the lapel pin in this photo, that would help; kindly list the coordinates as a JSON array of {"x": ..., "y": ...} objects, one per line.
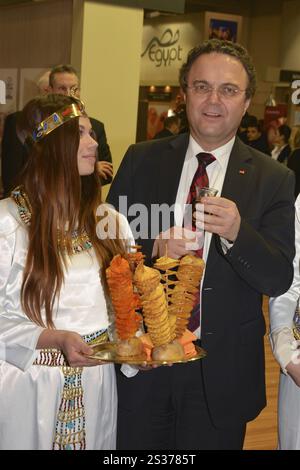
[{"x": 242, "y": 172}]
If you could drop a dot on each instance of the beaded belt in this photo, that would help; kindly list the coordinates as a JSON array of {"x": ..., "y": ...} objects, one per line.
[{"x": 70, "y": 421}]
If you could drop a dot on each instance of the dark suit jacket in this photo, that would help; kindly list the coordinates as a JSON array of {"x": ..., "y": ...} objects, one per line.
[
  {"x": 260, "y": 144},
  {"x": 260, "y": 262},
  {"x": 284, "y": 154},
  {"x": 162, "y": 134},
  {"x": 294, "y": 164},
  {"x": 13, "y": 153}
]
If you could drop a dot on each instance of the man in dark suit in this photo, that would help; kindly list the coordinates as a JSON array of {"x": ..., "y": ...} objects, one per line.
[
  {"x": 282, "y": 149},
  {"x": 13, "y": 153},
  {"x": 171, "y": 127},
  {"x": 256, "y": 138},
  {"x": 63, "y": 79},
  {"x": 248, "y": 250}
]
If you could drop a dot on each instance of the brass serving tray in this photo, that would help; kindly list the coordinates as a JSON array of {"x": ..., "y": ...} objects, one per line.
[{"x": 106, "y": 352}]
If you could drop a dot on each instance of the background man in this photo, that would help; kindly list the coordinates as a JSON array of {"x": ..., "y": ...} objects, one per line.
[
  {"x": 13, "y": 153},
  {"x": 248, "y": 250},
  {"x": 256, "y": 137},
  {"x": 171, "y": 127},
  {"x": 62, "y": 79},
  {"x": 282, "y": 149}
]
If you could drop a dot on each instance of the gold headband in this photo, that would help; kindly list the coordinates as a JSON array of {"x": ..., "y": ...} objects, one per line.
[{"x": 55, "y": 120}]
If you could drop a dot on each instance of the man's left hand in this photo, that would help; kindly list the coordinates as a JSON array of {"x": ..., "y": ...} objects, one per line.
[{"x": 219, "y": 215}]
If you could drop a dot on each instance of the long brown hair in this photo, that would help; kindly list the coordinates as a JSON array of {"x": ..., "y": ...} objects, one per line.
[{"x": 61, "y": 200}]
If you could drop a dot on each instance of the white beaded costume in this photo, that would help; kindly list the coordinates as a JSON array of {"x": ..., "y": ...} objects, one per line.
[{"x": 31, "y": 395}]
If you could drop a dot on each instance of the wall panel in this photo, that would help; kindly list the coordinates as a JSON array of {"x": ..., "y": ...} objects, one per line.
[{"x": 35, "y": 35}]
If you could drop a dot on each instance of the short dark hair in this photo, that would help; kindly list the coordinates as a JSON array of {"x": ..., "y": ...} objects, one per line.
[
  {"x": 285, "y": 131},
  {"x": 62, "y": 68},
  {"x": 250, "y": 121},
  {"x": 221, "y": 47}
]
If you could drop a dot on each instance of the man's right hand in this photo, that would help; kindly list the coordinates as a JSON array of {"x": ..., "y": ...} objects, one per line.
[{"x": 177, "y": 242}]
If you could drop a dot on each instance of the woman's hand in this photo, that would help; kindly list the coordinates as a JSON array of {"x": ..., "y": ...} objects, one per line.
[
  {"x": 71, "y": 344},
  {"x": 293, "y": 369}
]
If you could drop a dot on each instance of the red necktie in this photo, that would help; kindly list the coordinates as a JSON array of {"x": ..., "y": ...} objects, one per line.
[{"x": 200, "y": 180}]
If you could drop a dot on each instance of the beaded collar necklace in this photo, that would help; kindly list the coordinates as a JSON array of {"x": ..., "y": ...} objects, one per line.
[{"x": 80, "y": 239}]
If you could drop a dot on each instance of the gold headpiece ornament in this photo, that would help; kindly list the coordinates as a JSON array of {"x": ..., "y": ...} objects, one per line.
[{"x": 55, "y": 120}]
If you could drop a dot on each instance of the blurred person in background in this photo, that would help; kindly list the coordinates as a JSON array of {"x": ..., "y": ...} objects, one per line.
[
  {"x": 294, "y": 161},
  {"x": 171, "y": 127},
  {"x": 257, "y": 139},
  {"x": 13, "y": 153},
  {"x": 242, "y": 130},
  {"x": 282, "y": 149},
  {"x": 62, "y": 79}
]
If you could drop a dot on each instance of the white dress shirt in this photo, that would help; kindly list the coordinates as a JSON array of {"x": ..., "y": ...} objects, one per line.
[
  {"x": 216, "y": 173},
  {"x": 277, "y": 151}
]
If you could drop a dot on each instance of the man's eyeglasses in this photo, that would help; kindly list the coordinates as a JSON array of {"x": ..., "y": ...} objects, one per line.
[
  {"x": 74, "y": 91},
  {"x": 70, "y": 91},
  {"x": 225, "y": 90}
]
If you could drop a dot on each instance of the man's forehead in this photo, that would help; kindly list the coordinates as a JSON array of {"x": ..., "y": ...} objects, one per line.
[
  {"x": 223, "y": 67},
  {"x": 215, "y": 59},
  {"x": 65, "y": 77}
]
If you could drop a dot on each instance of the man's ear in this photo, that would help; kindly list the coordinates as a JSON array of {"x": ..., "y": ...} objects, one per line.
[
  {"x": 246, "y": 106},
  {"x": 183, "y": 94}
]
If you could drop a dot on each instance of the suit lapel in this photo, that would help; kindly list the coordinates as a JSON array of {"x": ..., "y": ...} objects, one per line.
[
  {"x": 239, "y": 180},
  {"x": 238, "y": 187}
]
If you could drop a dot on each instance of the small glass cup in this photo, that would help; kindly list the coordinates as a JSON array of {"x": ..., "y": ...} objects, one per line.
[{"x": 202, "y": 192}]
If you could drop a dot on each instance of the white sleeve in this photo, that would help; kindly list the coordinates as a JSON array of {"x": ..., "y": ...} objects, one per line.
[
  {"x": 18, "y": 335},
  {"x": 282, "y": 308},
  {"x": 112, "y": 224},
  {"x": 225, "y": 245},
  {"x": 284, "y": 346}
]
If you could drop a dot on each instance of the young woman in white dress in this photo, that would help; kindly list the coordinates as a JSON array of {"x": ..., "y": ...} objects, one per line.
[
  {"x": 52, "y": 289},
  {"x": 283, "y": 321}
]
